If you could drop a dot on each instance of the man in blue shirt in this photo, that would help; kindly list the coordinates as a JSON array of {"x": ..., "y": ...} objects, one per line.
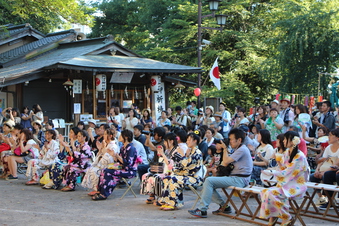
[{"x": 240, "y": 175}]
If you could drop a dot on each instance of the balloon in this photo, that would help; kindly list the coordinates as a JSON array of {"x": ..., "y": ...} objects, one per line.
[{"x": 197, "y": 92}]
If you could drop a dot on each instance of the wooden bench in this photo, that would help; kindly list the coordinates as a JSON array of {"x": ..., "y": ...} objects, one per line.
[
  {"x": 245, "y": 213},
  {"x": 317, "y": 213}
]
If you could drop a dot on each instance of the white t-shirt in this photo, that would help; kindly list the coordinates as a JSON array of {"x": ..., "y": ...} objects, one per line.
[
  {"x": 268, "y": 150},
  {"x": 329, "y": 153}
]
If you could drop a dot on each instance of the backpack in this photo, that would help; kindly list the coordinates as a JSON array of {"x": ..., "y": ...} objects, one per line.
[{"x": 188, "y": 121}]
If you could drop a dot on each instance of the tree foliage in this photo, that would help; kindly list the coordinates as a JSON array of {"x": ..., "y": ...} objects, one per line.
[{"x": 45, "y": 15}]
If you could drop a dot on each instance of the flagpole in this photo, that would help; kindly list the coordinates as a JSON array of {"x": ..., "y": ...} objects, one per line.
[{"x": 199, "y": 46}]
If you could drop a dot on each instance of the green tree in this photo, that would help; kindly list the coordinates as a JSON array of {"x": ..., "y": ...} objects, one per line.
[{"x": 45, "y": 15}]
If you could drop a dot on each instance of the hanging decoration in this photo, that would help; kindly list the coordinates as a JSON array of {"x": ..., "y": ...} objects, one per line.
[
  {"x": 320, "y": 98},
  {"x": 197, "y": 92},
  {"x": 145, "y": 92},
  {"x": 126, "y": 92},
  {"x": 155, "y": 81},
  {"x": 87, "y": 89},
  {"x": 100, "y": 84},
  {"x": 306, "y": 101},
  {"x": 112, "y": 91},
  {"x": 312, "y": 104},
  {"x": 136, "y": 93},
  {"x": 277, "y": 96},
  {"x": 293, "y": 99}
]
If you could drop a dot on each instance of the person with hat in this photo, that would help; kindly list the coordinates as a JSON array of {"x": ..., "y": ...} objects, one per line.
[
  {"x": 219, "y": 124},
  {"x": 275, "y": 104},
  {"x": 4, "y": 137},
  {"x": 38, "y": 135},
  {"x": 208, "y": 119},
  {"x": 286, "y": 114},
  {"x": 226, "y": 118}
]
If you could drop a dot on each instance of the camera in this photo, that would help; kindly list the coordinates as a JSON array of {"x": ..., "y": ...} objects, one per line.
[
  {"x": 257, "y": 100},
  {"x": 8, "y": 111},
  {"x": 146, "y": 132}
]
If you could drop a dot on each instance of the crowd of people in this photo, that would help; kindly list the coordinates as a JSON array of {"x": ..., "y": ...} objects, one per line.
[{"x": 182, "y": 148}]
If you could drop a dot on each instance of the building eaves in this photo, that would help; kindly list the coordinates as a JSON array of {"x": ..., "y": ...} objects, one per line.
[
  {"x": 9, "y": 33},
  {"x": 25, "y": 50}
]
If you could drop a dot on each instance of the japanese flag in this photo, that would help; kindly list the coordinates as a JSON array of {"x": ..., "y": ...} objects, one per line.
[{"x": 214, "y": 74}]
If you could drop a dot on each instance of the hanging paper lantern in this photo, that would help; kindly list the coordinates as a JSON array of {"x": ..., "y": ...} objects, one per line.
[
  {"x": 197, "y": 92},
  {"x": 320, "y": 98},
  {"x": 155, "y": 81},
  {"x": 100, "y": 82}
]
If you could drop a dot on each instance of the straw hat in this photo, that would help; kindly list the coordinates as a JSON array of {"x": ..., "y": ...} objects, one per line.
[
  {"x": 217, "y": 114},
  {"x": 210, "y": 107},
  {"x": 10, "y": 123},
  {"x": 38, "y": 122}
]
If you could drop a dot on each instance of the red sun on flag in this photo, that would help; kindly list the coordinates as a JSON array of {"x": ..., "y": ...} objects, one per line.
[{"x": 216, "y": 72}]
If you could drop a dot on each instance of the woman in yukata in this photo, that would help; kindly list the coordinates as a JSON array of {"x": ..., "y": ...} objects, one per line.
[
  {"x": 291, "y": 179},
  {"x": 128, "y": 161},
  {"x": 184, "y": 173},
  {"x": 79, "y": 161},
  {"x": 48, "y": 156},
  {"x": 56, "y": 169},
  {"x": 152, "y": 182},
  {"x": 102, "y": 160}
]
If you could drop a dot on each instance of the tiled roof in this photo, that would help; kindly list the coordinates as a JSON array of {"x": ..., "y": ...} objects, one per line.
[
  {"x": 24, "y": 49},
  {"x": 12, "y": 73},
  {"x": 123, "y": 63},
  {"x": 9, "y": 31}
]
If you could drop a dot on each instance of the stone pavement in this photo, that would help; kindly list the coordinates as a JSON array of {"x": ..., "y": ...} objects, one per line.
[{"x": 31, "y": 205}]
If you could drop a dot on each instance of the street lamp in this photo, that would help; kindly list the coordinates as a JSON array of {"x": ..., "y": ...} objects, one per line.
[{"x": 221, "y": 20}]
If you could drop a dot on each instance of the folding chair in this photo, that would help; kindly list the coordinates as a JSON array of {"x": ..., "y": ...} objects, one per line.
[
  {"x": 200, "y": 173},
  {"x": 129, "y": 186},
  {"x": 22, "y": 167}
]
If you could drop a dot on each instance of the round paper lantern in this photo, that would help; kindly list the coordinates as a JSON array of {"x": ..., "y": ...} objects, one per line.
[
  {"x": 197, "y": 92},
  {"x": 155, "y": 81},
  {"x": 100, "y": 82}
]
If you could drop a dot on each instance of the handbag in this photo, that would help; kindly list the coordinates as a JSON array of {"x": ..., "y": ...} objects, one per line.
[
  {"x": 224, "y": 170},
  {"x": 157, "y": 167},
  {"x": 326, "y": 166},
  {"x": 45, "y": 179},
  {"x": 18, "y": 152}
]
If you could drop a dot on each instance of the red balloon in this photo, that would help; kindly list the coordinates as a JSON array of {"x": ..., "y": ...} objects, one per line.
[{"x": 197, "y": 92}]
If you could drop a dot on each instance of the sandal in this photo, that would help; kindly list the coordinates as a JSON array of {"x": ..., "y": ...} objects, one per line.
[
  {"x": 98, "y": 197},
  {"x": 67, "y": 189},
  {"x": 289, "y": 223},
  {"x": 92, "y": 193},
  {"x": 150, "y": 200},
  {"x": 167, "y": 208},
  {"x": 31, "y": 182},
  {"x": 274, "y": 221}
]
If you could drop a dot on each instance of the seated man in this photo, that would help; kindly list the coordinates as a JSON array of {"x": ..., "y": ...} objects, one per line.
[{"x": 240, "y": 175}]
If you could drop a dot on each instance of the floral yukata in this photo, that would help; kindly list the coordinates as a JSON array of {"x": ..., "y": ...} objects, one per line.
[
  {"x": 184, "y": 173},
  {"x": 81, "y": 161},
  {"x": 48, "y": 156},
  {"x": 152, "y": 183},
  {"x": 291, "y": 179},
  {"x": 91, "y": 178},
  {"x": 110, "y": 177}
]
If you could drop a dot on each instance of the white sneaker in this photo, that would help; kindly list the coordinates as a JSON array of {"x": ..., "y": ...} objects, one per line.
[{"x": 322, "y": 200}]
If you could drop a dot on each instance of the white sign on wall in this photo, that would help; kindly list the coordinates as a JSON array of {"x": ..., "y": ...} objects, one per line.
[
  {"x": 77, "y": 88},
  {"x": 159, "y": 100}
]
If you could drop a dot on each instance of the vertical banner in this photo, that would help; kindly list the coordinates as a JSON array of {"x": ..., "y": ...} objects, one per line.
[{"x": 159, "y": 101}]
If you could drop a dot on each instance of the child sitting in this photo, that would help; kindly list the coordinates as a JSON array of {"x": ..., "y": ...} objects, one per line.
[{"x": 216, "y": 159}]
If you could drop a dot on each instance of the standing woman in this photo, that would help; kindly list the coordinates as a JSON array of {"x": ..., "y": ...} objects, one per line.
[
  {"x": 146, "y": 118},
  {"x": 79, "y": 161},
  {"x": 101, "y": 161},
  {"x": 131, "y": 120},
  {"x": 184, "y": 173},
  {"x": 27, "y": 152},
  {"x": 263, "y": 154},
  {"x": 26, "y": 118},
  {"x": 128, "y": 161},
  {"x": 113, "y": 118},
  {"x": 37, "y": 113},
  {"x": 291, "y": 178}
]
